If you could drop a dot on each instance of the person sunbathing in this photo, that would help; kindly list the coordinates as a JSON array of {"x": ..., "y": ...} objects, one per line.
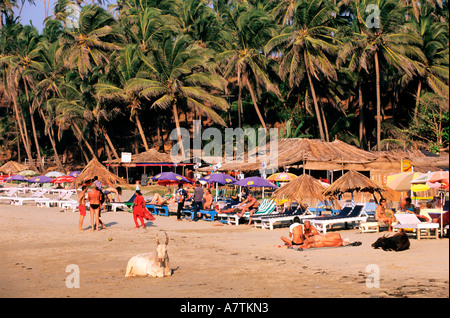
[
  {"x": 159, "y": 200},
  {"x": 383, "y": 214},
  {"x": 327, "y": 240},
  {"x": 249, "y": 204}
]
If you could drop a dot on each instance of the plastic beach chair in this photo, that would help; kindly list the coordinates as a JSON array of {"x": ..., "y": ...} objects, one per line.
[
  {"x": 268, "y": 221},
  {"x": 122, "y": 205},
  {"x": 158, "y": 209},
  {"x": 411, "y": 221},
  {"x": 357, "y": 214},
  {"x": 265, "y": 208}
]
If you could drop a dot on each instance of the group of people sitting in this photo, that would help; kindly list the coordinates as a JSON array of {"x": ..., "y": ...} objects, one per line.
[
  {"x": 386, "y": 215},
  {"x": 305, "y": 236}
]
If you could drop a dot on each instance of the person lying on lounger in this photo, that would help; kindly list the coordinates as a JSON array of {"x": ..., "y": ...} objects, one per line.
[
  {"x": 250, "y": 204},
  {"x": 159, "y": 200},
  {"x": 299, "y": 232}
]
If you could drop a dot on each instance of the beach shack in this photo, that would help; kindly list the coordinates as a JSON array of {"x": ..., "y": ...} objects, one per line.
[{"x": 146, "y": 163}]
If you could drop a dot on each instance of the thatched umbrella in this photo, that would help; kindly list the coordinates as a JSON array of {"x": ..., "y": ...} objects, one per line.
[
  {"x": 303, "y": 189},
  {"x": 353, "y": 181},
  {"x": 12, "y": 167},
  {"x": 95, "y": 168}
]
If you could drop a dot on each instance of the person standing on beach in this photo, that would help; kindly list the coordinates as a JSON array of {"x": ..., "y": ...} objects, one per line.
[
  {"x": 94, "y": 197},
  {"x": 198, "y": 200},
  {"x": 180, "y": 197},
  {"x": 82, "y": 206},
  {"x": 138, "y": 209}
]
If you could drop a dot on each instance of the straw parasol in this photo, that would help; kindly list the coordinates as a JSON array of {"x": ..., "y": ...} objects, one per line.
[
  {"x": 95, "y": 168},
  {"x": 12, "y": 167},
  {"x": 303, "y": 189},
  {"x": 353, "y": 181}
]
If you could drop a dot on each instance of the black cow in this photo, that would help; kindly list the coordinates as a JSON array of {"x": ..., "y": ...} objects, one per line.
[{"x": 397, "y": 242}]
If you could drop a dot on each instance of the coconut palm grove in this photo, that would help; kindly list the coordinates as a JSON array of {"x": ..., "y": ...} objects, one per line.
[{"x": 103, "y": 78}]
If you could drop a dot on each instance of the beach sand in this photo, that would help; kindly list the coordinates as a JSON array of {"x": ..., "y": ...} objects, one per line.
[{"x": 208, "y": 260}]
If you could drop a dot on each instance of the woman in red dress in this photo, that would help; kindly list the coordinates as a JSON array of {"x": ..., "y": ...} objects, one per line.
[{"x": 139, "y": 209}]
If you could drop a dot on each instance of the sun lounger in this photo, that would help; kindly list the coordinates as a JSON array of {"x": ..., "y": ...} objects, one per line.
[
  {"x": 265, "y": 208},
  {"x": 411, "y": 221},
  {"x": 9, "y": 195},
  {"x": 158, "y": 209},
  {"x": 37, "y": 196},
  {"x": 357, "y": 214},
  {"x": 267, "y": 222},
  {"x": 64, "y": 197},
  {"x": 126, "y": 205}
]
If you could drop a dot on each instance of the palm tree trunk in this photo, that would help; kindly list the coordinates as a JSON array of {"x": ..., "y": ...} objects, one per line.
[
  {"x": 33, "y": 128},
  {"x": 51, "y": 136},
  {"x": 141, "y": 131},
  {"x": 416, "y": 109},
  {"x": 362, "y": 126},
  {"x": 252, "y": 94},
  {"x": 23, "y": 133},
  {"x": 85, "y": 141},
  {"x": 110, "y": 144},
  {"x": 177, "y": 124},
  {"x": 377, "y": 74},
  {"x": 316, "y": 105}
]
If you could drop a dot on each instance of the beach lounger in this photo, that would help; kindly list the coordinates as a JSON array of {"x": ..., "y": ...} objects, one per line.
[
  {"x": 158, "y": 209},
  {"x": 356, "y": 215},
  {"x": 126, "y": 205},
  {"x": 265, "y": 208},
  {"x": 411, "y": 221},
  {"x": 64, "y": 197},
  {"x": 9, "y": 195},
  {"x": 267, "y": 222},
  {"x": 37, "y": 196}
]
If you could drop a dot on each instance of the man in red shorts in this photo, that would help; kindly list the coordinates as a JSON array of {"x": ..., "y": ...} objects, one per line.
[{"x": 82, "y": 206}]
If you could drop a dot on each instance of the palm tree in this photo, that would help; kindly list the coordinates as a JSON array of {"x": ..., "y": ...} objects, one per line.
[
  {"x": 88, "y": 45},
  {"x": 51, "y": 76},
  {"x": 180, "y": 76},
  {"x": 432, "y": 66},
  {"x": 249, "y": 29},
  {"x": 386, "y": 44},
  {"x": 129, "y": 66},
  {"x": 24, "y": 64},
  {"x": 306, "y": 46}
]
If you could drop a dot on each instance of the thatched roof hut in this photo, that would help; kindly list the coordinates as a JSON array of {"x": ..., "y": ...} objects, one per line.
[
  {"x": 353, "y": 181},
  {"x": 146, "y": 158},
  {"x": 95, "y": 168},
  {"x": 303, "y": 189},
  {"x": 12, "y": 167},
  {"x": 312, "y": 154}
]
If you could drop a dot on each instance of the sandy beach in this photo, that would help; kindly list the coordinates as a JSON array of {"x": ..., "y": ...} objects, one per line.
[{"x": 209, "y": 260}]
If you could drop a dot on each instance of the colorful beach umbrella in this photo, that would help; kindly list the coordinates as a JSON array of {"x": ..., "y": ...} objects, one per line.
[
  {"x": 28, "y": 173},
  {"x": 54, "y": 174},
  {"x": 63, "y": 179},
  {"x": 401, "y": 181},
  {"x": 255, "y": 182},
  {"x": 170, "y": 176},
  {"x": 74, "y": 173},
  {"x": 282, "y": 176},
  {"x": 439, "y": 176},
  {"x": 40, "y": 179},
  {"x": 16, "y": 177},
  {"x": 220, "y": 178}
]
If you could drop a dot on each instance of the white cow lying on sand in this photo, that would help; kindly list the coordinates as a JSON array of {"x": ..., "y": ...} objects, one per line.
[{"x": 153, "y": 264}]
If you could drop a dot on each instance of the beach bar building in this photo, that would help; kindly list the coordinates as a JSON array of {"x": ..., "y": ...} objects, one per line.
[
  {"x": 146, "y": 163},
  {"x": 331, "y": 160}
]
